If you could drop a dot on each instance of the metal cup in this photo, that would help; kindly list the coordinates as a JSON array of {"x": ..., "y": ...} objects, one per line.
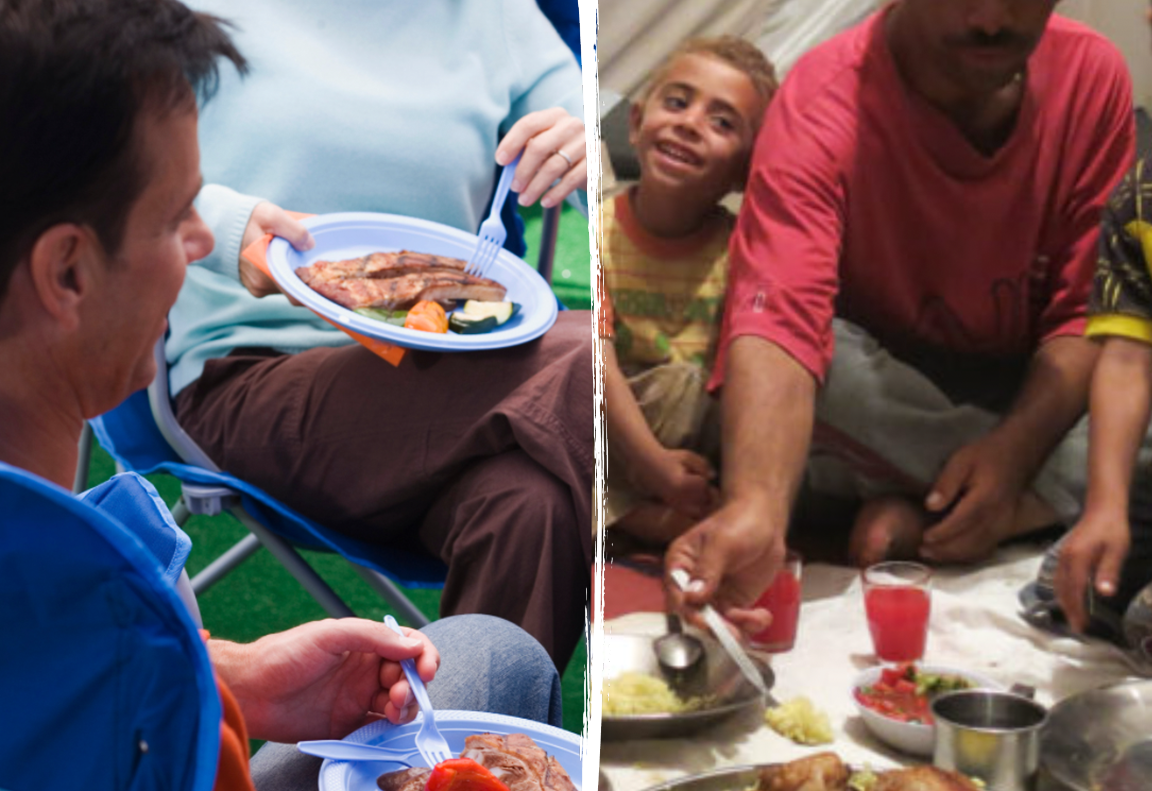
[{"x": 989, "y": 735}]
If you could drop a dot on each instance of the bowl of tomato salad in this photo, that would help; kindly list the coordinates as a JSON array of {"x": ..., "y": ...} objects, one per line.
[{"x": 895, "y": 701}]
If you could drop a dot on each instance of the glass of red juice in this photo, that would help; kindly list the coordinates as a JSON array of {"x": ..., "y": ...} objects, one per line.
[
  {"x": 897, "y": 601},
  {"x": 782, "y": 599}
]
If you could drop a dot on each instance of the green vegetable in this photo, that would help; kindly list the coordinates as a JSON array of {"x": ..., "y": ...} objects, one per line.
[
  {"x": 502, "y": 311},
  {"x": 935, "y": 683},
  {"x": 464, "y": 324},
  {"x": 396, "y": 317},
  {"x": 477, "y": 317}
]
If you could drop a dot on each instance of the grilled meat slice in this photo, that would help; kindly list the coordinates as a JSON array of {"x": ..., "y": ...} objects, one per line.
[
  {"x": 820, "y": 772},
  {"x": 518, "y": 761},
  {"x": 399, "y": 293},
  {"x": 923, "y": 778},
  {"x": 414, "y": 779},
  {"x": 515, "y": 759},
  {"x": 379, "y": 265}
]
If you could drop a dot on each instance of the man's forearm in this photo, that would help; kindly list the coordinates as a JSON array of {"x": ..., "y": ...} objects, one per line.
[
  {"x": 1053, "y": 397},
  {"x": 768, "y": 408}
]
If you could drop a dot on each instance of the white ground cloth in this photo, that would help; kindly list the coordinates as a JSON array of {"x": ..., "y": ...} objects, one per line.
[{"x": 974, "y": 624}]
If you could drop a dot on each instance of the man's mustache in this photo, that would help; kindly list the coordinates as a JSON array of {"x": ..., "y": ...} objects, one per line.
[{"x": 1000, "y": 40}]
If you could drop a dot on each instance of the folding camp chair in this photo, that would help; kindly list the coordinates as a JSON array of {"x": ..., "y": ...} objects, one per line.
[
  {"x": 105, "y": 682},
  {"x": 142, "y": 435}
]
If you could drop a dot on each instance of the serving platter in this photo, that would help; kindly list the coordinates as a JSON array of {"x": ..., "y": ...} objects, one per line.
[
  {"x": 456, "y": 726},
  {"x": 346, "y": 235},
  {"x": 1101, "y": 740},
  {"x": 722, "y": 681}
]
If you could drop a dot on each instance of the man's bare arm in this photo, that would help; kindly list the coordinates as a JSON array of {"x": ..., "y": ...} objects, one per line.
[
  {"x": 987, "y": 481},
  {"x": 768, "y": 407}
]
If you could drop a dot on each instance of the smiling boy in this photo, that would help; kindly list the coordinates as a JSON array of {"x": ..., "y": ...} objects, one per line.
[{"x": 665, "y": 263}]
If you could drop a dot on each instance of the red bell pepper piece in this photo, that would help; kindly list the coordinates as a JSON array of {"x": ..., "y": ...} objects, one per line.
[{"x": 463, "y": 774}]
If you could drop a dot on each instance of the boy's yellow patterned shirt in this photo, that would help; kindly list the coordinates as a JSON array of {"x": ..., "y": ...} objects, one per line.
[{"x": 665, "y": 298}]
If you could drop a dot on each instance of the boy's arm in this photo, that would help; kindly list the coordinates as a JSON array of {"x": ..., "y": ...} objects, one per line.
[
  {"x": 1121, "y": 401},
  {"x": 680, "y": 478}
]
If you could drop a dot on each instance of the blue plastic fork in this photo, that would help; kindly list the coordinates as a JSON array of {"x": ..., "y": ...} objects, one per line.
[
  {"x": 432, "y": 745},
  {"x": 492, "y": 232}
]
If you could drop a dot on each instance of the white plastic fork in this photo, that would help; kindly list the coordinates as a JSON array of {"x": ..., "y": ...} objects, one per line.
[
  {"x": 431, "y": 743},
  {"x": 492, "y": 232}
]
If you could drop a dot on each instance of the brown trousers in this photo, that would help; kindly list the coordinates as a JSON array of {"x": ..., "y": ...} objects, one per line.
[{"x": 486, "y": 456}]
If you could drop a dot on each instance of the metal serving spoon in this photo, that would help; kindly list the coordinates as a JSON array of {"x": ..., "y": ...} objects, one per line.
[{"x": 680, "y": 656}]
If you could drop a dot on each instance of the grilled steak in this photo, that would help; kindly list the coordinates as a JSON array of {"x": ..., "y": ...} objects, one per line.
[
  {"x": 398, "y": 293},
  {"x": 397, "y": 281},
  {"x": 518, "y": 762},
  {"x": 515, "y": 759},
  {"x": 414, "y": 779},
  {"x": 379, "y": 265}
]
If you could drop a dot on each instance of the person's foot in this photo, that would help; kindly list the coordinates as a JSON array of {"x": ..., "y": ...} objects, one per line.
[
  {"x": 886, "y": 528},
  {"x": 654, "y": 523}
]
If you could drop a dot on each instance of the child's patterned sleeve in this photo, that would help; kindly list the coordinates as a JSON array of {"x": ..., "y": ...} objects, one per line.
[{"x": 1121, "y": 301}]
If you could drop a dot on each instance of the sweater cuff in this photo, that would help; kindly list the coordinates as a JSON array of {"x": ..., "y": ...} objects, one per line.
[{"x": 226, "y": 213}]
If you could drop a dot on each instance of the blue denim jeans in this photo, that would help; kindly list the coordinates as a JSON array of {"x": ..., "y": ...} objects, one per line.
[{"x": 486, "y": 664}]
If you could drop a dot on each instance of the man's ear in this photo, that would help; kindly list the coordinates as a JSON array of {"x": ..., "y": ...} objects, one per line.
[{"x": 62, "y": 265}]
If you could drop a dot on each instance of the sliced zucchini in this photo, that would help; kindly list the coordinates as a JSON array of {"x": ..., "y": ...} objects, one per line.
[
  {"x": 396, "y": 317},
  {"x": 467, "y": 324},
  {"x": 501, "y": 311}
]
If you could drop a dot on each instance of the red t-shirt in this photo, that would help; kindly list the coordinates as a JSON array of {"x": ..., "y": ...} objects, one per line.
[{"x": 866, "y": 202}]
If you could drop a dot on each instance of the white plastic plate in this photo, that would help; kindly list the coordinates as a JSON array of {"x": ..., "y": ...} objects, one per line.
[{"x": 352, "y": 234}]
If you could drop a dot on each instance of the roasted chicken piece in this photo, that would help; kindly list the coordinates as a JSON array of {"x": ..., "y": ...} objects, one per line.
[
  {"x": 819, "y": 772},
  {"x": 923, "y": 778}
]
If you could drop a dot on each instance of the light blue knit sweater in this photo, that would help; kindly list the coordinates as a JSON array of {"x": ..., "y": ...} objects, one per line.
[{"x": 358, "y": 105}]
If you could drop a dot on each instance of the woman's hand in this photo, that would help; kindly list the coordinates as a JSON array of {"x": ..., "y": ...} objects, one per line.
[
  {"x": 553, "y": 148},
  {"x": 268, "y": 218}
]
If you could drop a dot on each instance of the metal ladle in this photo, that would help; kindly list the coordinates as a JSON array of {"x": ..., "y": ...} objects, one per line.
[{"x": 680, "y": 656}]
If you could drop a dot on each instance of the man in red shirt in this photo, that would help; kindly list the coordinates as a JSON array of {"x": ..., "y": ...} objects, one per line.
[{"x": 924, "y": 197}]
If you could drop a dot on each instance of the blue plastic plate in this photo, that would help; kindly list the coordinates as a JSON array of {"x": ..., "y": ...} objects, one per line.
[
  {"x": 456, "y": 726},
  {"x": 352, "y": 234}
]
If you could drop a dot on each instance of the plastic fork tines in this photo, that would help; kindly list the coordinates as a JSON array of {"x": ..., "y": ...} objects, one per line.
[
  {"x": 431, "y": 743},
  {"x": 492, "y": 231}
]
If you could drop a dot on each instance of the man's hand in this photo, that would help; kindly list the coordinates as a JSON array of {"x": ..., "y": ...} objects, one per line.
[
  {"x": 732, "y": 557},
  {"x": 1091, "y": 554},
  {"x": 324, "y": 679},
  {"x": 540, "y": 135},
  {"x": 268, "y": 218},
  {"x": 681, "y": 479},
  {"x": 982, "y": 484}
]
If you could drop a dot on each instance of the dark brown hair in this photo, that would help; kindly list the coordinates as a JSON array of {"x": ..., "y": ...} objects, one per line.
[
  {"x": 75, "y": 78},
  {"x": 738, "y": 53}
]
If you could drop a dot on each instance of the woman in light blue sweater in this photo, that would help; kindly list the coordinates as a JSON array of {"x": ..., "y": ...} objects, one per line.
[{"x": 483, "y": 458}]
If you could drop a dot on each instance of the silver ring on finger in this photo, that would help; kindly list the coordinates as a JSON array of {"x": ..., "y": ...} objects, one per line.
[{"x": 566, "y": 158}]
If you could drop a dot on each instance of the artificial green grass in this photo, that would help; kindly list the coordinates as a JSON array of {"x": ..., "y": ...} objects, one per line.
[
  {"x": 260, "y": 597},
  {"x": 571, "y": 269}
]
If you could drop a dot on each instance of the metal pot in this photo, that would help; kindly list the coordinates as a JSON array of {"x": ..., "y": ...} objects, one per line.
[{"x": 990, "y": 735}]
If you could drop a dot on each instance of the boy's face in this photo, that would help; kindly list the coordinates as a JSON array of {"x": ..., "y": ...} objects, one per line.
[{"x": 695, "y": 130}]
